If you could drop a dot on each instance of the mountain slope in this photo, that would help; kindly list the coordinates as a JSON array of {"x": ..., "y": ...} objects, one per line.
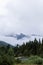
[
  {"x": 15, "y": 39},
  {"x": 2, "y": 43}
]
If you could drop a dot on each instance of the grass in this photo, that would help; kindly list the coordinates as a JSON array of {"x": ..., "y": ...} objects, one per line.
[{"x": 33, "y": 60}]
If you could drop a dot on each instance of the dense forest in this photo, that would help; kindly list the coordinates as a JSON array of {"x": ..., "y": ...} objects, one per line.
[
  {"x": 30, "y": 48},
  {"x": 8, "y": 52}
]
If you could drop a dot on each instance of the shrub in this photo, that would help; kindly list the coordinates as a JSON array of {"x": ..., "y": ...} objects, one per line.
[
  {"x": 6, "y": 60},
  {"x": 18, "y": 61},
  {"x": 39, "y": 61}
]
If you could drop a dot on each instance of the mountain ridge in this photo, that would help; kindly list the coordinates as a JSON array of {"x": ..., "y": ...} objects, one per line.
[
  {"x": 22, "y": 35},
  {"x": 21, "y": 38},
  {"x": 18, "y": 36}
]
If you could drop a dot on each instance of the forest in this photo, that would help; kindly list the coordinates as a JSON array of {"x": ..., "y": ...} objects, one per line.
[{"x": 9, "y": 54}]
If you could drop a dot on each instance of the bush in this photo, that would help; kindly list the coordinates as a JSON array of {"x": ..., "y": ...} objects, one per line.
[
  {"x": 34, "y": 60},
  {"x": 38, "y": 61},
  {"x": 18, "y": 61},
  {"x": 6, "y": 60}
]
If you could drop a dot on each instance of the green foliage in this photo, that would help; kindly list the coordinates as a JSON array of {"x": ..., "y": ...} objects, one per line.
[
  {"x": 30, "y": 48},
  {"x": 18, "y": 61},
  {"x": 8, "y": 53},
  {"x": 6, "y": 60},
  {"x": 6, "y": 56},
  {"x": 34, "y": 60},
  {"x": 39, "y": 61}
]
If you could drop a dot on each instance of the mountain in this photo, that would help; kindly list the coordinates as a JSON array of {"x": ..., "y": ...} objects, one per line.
[
  {"x": 36, "y": 35},
  {"x": 2, "y": 43},
  {"x": 23, "y": 36},
  {"x": 14, "y": 39},
  {"x": 18, "y": 36}
]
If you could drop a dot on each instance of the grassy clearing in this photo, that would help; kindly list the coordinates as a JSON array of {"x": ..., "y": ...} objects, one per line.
[{"x": 33, "y": 60}]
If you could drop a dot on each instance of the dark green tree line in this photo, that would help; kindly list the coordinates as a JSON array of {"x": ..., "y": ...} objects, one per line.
[{"x": 8, "y": 53}]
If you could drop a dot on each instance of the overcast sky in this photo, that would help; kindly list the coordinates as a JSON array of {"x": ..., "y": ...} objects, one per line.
[{"x": 21, "y": 16}]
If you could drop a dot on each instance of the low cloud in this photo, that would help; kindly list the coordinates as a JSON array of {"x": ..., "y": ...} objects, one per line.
[{"x": 21, "y": 16}]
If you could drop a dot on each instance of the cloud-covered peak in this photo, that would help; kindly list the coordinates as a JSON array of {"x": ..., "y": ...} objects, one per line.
[
  {"x": 18, "y": 16},
  {"x": 18, "y": 36}
]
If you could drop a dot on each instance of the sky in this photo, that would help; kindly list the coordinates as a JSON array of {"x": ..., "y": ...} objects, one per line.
[{"x": 21, "y": 16}]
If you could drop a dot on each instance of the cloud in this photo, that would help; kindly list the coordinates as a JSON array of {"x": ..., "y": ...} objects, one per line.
[{"x": 21, "y": 16}]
